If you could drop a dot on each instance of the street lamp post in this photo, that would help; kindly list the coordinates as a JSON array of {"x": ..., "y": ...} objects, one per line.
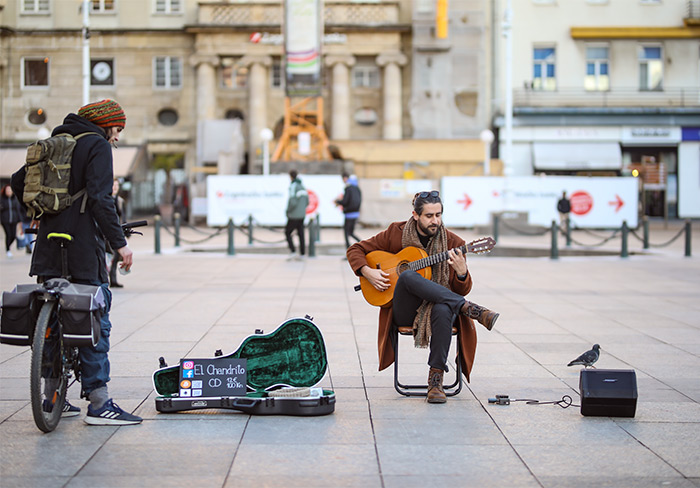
[
  {"x": 266, "y": 136},
  {"x": 86, "y": 51},
  {"x": 508, "y": 34},
  {"x": 486, "y": 137}
]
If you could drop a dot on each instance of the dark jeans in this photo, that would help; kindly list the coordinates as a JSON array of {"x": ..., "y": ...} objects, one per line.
[
  {"x": 349, "y": 228},
  {"x": 411, "y": 289},
  {"x": 298, "y": 225},
  {"x": 10, "y": 234},
  {"x": 94, "y": 361}
]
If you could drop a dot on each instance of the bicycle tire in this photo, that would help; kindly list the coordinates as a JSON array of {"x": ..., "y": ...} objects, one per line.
[{"x": 47, "y": 366}]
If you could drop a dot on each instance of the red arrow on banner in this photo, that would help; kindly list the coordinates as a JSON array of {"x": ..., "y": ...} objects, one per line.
[
  {"x": 466, "y": 201},
  {"x": 618, "y": 203}
]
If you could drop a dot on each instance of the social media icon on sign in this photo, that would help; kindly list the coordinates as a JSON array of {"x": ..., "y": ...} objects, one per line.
[
  {"x": 188, "y": 365},
  {"x": 185, "y": 393},
  {"x": 196, "y": 383},
  {"x": 187, "y": 373},
  {"x": 185, "y": 384}
]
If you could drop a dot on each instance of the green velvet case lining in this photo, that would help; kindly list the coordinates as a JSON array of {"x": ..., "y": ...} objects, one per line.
[{"x": 294, "y": 355}]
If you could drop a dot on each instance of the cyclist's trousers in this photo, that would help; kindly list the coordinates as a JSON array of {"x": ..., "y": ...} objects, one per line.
[{"x": 94, "y": 362}]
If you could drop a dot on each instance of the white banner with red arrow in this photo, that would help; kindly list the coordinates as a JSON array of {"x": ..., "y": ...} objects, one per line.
[{"x": 600, "y": 202}]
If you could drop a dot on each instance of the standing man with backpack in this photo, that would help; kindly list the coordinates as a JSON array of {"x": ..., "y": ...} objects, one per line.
[
  {"x": 91, "y": 219},
  {"x": 350, "y": 202}
]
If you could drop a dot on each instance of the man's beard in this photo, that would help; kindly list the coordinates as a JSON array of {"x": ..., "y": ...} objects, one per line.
[{"x": 428, "y": 231}]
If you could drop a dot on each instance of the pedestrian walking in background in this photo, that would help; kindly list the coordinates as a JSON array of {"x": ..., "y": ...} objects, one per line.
[
  {"x": 564, "y": 207},
  {"x": 10, "y": 216},
  {"x": 296, "y": 211},
  {"x": 350, "y": 202},
  {"x": 114, "y": 262}
]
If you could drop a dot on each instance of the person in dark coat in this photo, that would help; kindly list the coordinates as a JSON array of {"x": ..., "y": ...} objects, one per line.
[
  {"x": 10, "y": 216},
  {"x": 430, "y": 306},
  {"x": 350, "y": 203},
  {"x": 91, "y": 168}
]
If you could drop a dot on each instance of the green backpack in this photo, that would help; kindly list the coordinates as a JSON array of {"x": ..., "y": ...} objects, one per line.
[{"x": 47, "y": 175}]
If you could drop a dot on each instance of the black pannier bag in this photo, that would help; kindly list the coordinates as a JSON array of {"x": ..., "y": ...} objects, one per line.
[
  {"x": 18, "y": 315},
  {"x": 81, "y": 308}
]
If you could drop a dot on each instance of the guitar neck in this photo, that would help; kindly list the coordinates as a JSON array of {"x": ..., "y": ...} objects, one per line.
[{"x": 434, "y": 259}]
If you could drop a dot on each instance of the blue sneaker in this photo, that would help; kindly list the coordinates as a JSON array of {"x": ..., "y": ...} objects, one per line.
[
  {"x": 110, "y": 414},
  {"x": 68, "y": 409}
]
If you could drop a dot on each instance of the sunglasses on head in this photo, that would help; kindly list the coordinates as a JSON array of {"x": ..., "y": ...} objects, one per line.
[{"x": 427, "y": 194}]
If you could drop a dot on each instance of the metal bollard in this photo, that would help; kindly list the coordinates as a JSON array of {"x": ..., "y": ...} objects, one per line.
[
  {"x": 176, "y": 223},
  {"x": 317, "y": 228},
  {"x": 625, "y": 231},
  {"x": 645, "y": 228},
  {"x": 495, "y": 227},
  {"x": 157, "y": 223},
  {"x": 568, "y": 232},
  {"x": 312, "y": 240},
  {"x": 687, "y": 238},
  {"x": 554, "y": 253},
  {"x": 231, "y": 250},
  {"x": 250, "y": 230}
]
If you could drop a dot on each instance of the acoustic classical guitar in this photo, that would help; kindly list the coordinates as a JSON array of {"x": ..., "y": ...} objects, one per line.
[{"x": 409, "y": 258}]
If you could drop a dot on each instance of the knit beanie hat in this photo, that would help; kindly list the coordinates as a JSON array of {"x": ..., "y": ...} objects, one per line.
[{"x": 105, "y": 113}]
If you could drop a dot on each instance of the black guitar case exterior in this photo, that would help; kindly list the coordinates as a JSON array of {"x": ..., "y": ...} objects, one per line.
[{"x": 282, "y": 369}]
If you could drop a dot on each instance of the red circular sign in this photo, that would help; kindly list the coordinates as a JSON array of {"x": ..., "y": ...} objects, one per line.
[
  {"x": 313, "y": 203},
  {"x": 581, "y": 202}
]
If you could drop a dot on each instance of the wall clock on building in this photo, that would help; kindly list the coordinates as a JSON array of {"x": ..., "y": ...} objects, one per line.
[{"x": 102, "y": 72}]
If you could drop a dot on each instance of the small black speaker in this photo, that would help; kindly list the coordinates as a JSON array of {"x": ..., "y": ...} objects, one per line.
[{"x": 608, "y": 392}]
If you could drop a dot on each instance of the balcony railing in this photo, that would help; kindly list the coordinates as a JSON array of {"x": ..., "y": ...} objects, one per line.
[
  {"x": 620, "y": 97},
  {"x": 272, "y": 13}
]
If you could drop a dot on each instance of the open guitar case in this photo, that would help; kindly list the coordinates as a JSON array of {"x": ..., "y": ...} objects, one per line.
[{"x": 282, "y": 369}]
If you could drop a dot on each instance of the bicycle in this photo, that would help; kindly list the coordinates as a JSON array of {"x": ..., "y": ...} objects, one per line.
[{"x": 55, "y": 357}]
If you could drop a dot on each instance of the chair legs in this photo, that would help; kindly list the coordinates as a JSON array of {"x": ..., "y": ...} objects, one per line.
[{"x": 422, "y": 390}]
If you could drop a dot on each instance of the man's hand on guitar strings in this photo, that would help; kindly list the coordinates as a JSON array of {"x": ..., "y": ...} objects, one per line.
[
  {"x": 378, "y": 279},
  {"x": 458, "y": 261}
]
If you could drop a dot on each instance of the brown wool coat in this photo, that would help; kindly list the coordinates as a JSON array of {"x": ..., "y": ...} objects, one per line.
[{"x": 389, "y": 240}]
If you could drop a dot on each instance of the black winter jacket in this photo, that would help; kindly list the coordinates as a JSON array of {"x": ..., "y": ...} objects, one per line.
[
  {"x": 91, "y": 168},
  {"x": 10, "y": 210}
]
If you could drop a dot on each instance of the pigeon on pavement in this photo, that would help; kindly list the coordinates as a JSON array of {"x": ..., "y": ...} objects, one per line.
[{"x": 587, "y": 358}]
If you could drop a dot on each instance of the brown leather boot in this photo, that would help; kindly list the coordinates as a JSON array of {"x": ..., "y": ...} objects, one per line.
[
  {"x": 483, "y": 315},
  {"x": 436, "y": 393}
]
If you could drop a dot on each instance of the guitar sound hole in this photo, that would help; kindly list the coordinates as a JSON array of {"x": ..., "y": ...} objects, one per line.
[{"x": 402, "y": 266}]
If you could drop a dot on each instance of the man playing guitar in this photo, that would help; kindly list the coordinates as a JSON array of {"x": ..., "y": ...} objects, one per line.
[{"x": 433, "y": 305}]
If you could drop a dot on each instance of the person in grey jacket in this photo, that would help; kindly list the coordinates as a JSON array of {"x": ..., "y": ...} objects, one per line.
[{"x": 296, "y": 211}]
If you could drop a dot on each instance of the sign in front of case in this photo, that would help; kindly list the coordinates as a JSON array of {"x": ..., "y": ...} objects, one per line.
[{"x": 217, "y": 377}]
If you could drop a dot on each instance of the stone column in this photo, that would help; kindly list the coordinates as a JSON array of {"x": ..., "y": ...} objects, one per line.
[
  {"x": 205, "y": 66},
  {"x": 257, "y": 100},
  {"x": 340, "y": 91},
  {"x": 393, "y": 113}
]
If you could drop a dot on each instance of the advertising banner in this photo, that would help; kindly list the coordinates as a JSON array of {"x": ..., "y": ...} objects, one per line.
[
  {"x": 265, "y": 198},
  {"x": 595, "y": 202},
  {"x": 302, "y": 47}
]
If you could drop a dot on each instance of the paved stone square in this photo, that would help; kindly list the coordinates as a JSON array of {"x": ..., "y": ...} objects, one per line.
[{"x": 643, "y": 310}]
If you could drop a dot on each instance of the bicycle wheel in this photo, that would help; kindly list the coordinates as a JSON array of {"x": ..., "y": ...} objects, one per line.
[{"x": 48, "y": 383}]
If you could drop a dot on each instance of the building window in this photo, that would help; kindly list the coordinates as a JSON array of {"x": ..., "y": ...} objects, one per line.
[
  {"x": 365, "y": 74},
  {"x": 35, "y": 72},
  {"x": 36, "y": 116},
  {"x": 276, "y": 74},
  {"x": 543, "y": 76},
  {"x": 103, "y": 5},
  {"x": 651, "y": 69},
  {"x": 35, "y": 6},
  {"x": 102, "y": 72},
  {"x": 168, "y": 6},
  {"x": 168, "y": 72},
  {"x": 168, "y": 117},
  {"x": 597, "y": 72},
  {"x": 233, "y": 75}
]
